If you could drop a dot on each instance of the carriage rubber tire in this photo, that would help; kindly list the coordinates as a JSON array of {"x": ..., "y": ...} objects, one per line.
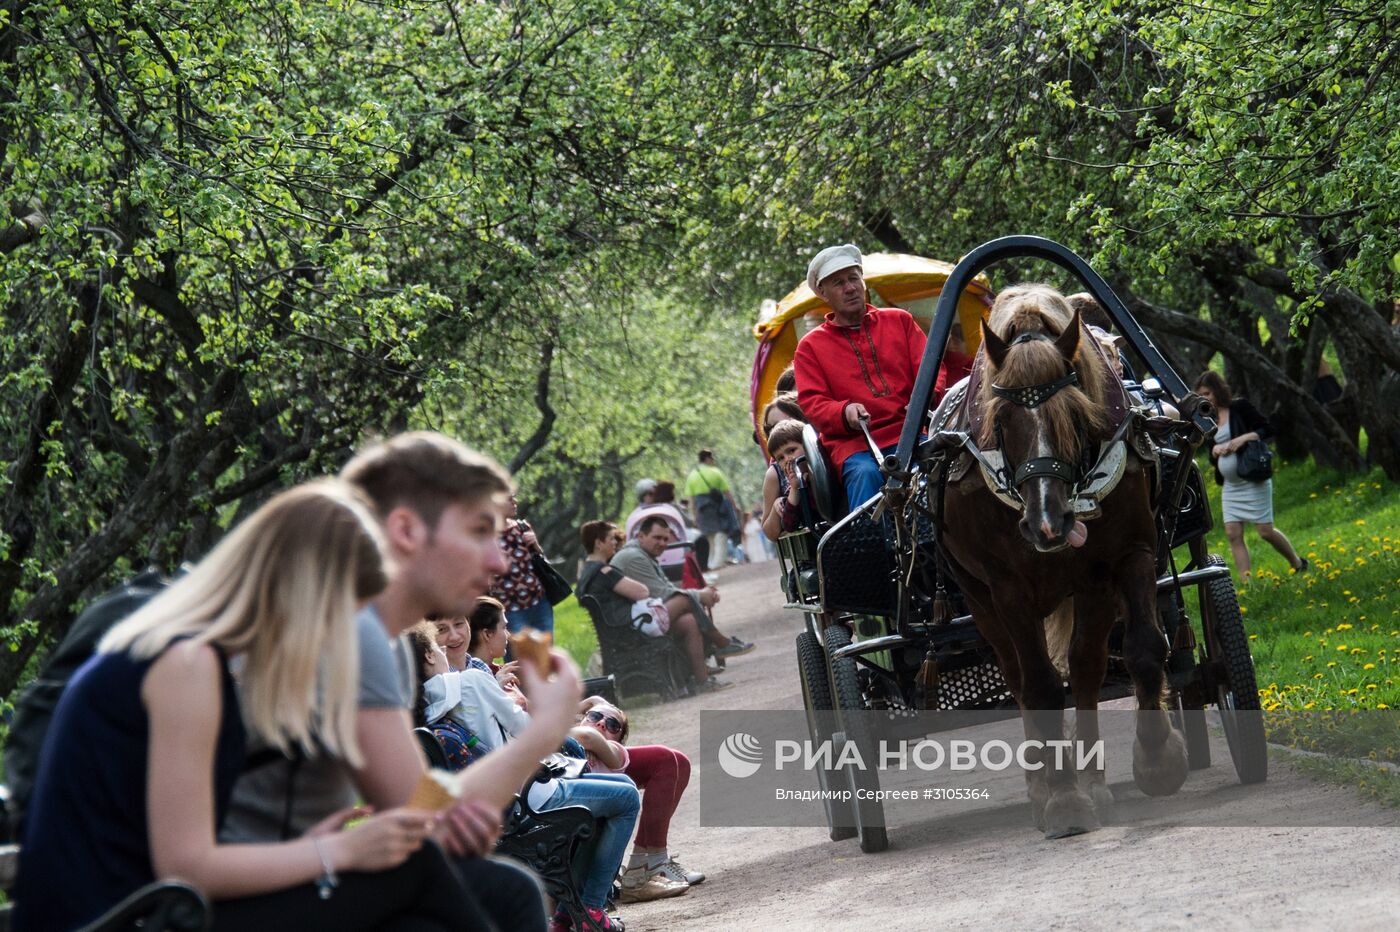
[
  {"x": 1229, "y": 646},
  {"x": 816, "y": 699},
  {"x": 869, "y": 813}
]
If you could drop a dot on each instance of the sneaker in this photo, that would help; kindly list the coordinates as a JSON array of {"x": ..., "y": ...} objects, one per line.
[
  {"x": 1303, "y": 566},
  {"x": 602, "y": 921},
  {"x": 734, "y": 648},
  {"x": 712, "y": 684},
  {"x": 658, "y": 886},
  {"x": 561, "y": 922},
  {"x": 673, "y": 870}
]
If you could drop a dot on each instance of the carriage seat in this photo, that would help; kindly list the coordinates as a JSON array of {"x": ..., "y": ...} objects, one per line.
[{"x": 828, "y": 492}]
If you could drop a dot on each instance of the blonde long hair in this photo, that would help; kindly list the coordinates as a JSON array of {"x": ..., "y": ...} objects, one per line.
[{"x": 280, "y": 589}]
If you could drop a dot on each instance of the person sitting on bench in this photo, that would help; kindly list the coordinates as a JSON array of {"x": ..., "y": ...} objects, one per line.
[
  {"x": 140, "y": 762},
  {"x": 637, "y": 560},
  {"x": 662, "y": 774},
  {"x": 474, "y": 699}
]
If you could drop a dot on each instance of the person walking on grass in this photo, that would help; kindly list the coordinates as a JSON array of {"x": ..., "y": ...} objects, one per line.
[{"x": 1242, "y": 500}]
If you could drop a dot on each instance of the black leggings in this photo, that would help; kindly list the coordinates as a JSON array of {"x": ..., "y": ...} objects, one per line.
[{"x": 423, "y": 894}]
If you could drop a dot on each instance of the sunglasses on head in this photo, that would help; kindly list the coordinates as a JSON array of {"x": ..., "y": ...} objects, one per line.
[{"x": 610, "y": 722}]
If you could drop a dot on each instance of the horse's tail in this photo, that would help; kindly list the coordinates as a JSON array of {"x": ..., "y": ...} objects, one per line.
[{"x": 1059, "y": 628}]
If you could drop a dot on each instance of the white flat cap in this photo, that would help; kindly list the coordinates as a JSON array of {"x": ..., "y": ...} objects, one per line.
[
  {"x": 644, "y": 486},
  {"x": 831, "y": 260}
]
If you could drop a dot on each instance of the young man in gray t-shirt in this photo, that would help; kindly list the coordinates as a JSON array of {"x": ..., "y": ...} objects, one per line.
[{"x": 439, "y": 506}]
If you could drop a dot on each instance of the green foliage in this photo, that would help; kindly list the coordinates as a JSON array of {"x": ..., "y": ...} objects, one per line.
[{"x": 244, "y": 236}]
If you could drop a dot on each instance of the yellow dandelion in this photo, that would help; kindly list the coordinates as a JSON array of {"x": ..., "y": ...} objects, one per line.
[
  {"x": 1369, "y": 666},
  {"x": 1344, "y": 627}
]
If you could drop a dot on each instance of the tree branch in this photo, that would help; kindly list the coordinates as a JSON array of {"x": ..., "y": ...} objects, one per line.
[{"x": 541, "y": 435}]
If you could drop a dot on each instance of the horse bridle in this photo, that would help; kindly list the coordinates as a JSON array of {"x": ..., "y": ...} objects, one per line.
[{"x": 1031, "y": 397}]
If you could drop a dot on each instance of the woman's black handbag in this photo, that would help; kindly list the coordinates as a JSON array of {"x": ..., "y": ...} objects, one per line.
[
  {"x": 556, "y": 587},
  {"x": 1255, "y": 461}
]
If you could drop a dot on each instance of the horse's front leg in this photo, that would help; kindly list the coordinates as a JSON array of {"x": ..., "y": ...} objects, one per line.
[
  {"x": 1068, "y": 809},
  {"x": 1088, "y": 662},
  {"x": 1159, "y": 754},
  {"x": 995, "y": 631}
]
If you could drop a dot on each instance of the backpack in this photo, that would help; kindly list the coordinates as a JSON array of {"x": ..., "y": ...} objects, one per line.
[{"x": 35, "y": 707}]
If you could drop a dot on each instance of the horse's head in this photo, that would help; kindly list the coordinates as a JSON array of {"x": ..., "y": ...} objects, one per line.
[{"x": 1043, "y": 404}]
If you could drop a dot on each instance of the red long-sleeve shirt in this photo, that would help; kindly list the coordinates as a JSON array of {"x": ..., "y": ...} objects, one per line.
[{"x": 874, "y": 365}]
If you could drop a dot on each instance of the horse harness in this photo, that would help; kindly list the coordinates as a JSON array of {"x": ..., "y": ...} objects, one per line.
[{"x": 957, "y": 418}]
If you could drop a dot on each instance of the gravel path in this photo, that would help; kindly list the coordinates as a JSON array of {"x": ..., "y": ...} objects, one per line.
[{"x": 943, "y": 872}]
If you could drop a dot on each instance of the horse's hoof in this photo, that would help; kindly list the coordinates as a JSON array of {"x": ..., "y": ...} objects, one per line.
[
  {"x": 1100, "y": 794},
  {"x": 1069, "y": 813},
  {"x": 1162, "y": 773},
  {"x": 1038, "y": 815},
  {"x": 1039, "y": 794}
]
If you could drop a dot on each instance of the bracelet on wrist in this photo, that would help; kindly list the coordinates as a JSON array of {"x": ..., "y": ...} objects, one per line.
[{"x": 327, "y": 882}]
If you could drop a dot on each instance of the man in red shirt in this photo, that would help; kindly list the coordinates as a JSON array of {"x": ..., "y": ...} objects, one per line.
[{"x": 861, "y": 361}]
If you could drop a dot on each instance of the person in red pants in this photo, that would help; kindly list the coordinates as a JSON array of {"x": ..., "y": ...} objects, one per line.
[{"x": 662, "y": 774}]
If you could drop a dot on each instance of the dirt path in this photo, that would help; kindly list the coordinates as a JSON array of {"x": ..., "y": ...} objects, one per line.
[{"x": 941, "y": 872}]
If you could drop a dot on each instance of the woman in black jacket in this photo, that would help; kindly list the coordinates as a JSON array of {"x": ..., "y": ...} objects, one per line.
[{"x": 1241, "y": 500}]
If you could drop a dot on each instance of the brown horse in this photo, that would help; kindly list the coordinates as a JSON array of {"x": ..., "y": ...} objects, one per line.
[{"x": 1033, "y": 570}]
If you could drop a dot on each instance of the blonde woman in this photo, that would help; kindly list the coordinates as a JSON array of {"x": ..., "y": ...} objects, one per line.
[{"x": 137, "y": 771}]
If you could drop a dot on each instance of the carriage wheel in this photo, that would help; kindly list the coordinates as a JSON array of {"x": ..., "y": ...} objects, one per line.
[
  {"x": 816, "y": 699},
  {"x": 869, "y": 813},
  {"x": 1236, "y": 690}
]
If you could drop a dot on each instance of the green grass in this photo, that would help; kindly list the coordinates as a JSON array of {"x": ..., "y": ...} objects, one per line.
[
  {"x": 1328, "y": 639},
  {"x": 1370, "y": 782},
  {"x": 573, "y": 631}
]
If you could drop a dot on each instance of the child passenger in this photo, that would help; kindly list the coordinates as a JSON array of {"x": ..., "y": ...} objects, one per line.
[{"x": 782, "y": 509}]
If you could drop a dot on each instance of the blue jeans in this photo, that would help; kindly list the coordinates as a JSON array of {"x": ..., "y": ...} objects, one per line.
[
  {"x": 861, "y": 476},
  {"x": 539, "y": 616},
  {"x": 614, "y": 799}
]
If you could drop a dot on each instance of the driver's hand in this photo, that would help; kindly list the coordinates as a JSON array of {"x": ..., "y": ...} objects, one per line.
[{"x": 854, "y": 412}]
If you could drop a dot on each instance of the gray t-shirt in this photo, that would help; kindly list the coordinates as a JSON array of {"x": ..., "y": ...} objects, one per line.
[{"x": 317, "y": 786}]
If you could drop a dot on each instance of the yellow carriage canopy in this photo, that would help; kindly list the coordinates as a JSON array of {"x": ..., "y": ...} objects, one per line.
[{"x": 893, "y": 280}]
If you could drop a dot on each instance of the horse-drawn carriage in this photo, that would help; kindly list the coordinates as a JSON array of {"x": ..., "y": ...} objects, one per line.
[{"x": 921, "y": 598}]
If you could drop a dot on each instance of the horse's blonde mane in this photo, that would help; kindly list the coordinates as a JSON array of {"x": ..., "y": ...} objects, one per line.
[{"x": 1041, "y": 309}]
